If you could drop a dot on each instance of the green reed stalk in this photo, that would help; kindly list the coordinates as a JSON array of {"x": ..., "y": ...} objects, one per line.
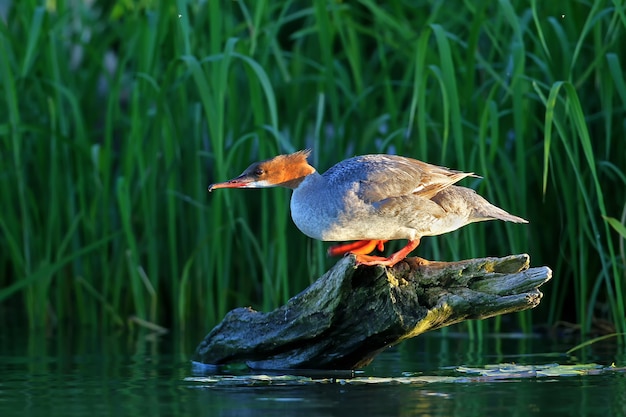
[{"x": 115, "y": 126}]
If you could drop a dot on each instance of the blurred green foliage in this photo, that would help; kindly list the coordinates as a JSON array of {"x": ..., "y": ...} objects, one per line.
[{"x": 117, "y": 115}]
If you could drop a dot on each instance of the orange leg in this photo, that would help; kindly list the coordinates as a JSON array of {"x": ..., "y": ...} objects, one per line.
[
  {"x": 394, "y": 258},
  {"x": 359, "y": 247}
]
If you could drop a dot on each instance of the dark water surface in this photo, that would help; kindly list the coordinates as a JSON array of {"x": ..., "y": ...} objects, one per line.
[{"x": 94, "y": 375}]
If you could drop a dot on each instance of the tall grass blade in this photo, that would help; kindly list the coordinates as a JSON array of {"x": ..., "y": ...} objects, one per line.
[{"x": 115, "y": 123}]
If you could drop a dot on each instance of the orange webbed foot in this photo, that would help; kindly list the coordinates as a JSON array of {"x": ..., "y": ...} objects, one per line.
[
  {"x": 359, "y": 247},
  {"x": 394, "y": 258}
]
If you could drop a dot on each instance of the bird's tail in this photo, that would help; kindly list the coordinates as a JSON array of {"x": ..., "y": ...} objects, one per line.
[
  {"x": 479, "y": 208},
  {"x": 496, "y": 213}
]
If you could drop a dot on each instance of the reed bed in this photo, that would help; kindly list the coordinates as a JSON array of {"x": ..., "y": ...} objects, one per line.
[{"x": 117, "y": 117}]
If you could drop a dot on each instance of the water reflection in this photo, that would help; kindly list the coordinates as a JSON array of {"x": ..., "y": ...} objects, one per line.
[
  {"x": 122, "y": 374},
  {"x": 522, "y": 398}
]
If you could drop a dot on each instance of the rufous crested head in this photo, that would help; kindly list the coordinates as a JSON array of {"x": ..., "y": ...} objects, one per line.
[{"x": 281, "y": 171}]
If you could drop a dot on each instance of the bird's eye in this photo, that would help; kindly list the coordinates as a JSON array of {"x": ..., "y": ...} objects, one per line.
[{"x": 258, "y": 172}]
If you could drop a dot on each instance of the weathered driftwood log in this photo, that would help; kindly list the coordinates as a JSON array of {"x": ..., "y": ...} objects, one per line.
[{"x": 349, "y": 315}]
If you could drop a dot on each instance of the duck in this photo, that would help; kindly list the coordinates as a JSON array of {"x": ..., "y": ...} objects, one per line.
[{"x": 369, "y": 200}]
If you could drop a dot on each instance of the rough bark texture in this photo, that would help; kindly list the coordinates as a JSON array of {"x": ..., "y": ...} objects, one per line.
[{"x": 350, "y": 314}]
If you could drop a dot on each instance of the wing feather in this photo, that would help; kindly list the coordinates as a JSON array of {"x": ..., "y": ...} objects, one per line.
[{"x": 375, "y": 178}]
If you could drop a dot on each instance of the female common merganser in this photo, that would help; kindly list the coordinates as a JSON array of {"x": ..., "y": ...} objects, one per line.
[{"x": 371, "y": 199}]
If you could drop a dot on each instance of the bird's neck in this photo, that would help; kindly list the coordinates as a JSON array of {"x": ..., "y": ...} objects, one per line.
[{"x": 300, "y": 177}]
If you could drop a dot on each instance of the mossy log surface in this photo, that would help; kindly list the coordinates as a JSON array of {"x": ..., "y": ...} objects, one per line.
[{"x": 351, "y": 314}]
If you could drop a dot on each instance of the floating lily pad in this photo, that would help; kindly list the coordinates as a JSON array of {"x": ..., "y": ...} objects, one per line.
[
  {"x": 488, "y": 373},
  {"x": 509, "y": 371}
]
